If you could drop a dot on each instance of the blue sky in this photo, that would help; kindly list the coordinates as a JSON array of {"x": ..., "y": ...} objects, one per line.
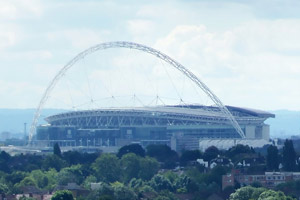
[{"x": 247, "y": 52}]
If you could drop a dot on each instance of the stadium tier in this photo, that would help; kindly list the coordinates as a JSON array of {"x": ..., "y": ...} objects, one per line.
[{"x": 181, "y": 127}]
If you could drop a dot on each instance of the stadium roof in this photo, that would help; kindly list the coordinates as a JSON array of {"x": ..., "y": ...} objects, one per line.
[
  {"x": 254, "y": 112},
  {"x": 178, "y": 112}
]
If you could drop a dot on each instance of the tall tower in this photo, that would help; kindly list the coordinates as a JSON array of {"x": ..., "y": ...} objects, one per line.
[{"x": 25, "y": 131}]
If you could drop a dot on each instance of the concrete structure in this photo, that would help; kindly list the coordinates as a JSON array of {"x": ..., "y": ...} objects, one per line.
[
  {"x": 181, "y": 127},
  {"x": 228, "y": 143}
]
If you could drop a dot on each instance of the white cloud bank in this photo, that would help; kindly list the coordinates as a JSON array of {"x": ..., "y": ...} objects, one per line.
[
  {"x": 245, "y": 53},
  {"x": 14, "y": 9},
  {"x": 254, "y": 65}
]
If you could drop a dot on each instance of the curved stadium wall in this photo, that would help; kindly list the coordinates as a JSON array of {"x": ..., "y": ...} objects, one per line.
[{"x": 180, "y": 127}]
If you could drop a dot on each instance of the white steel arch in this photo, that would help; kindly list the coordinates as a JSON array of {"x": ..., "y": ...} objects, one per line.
[{"x": 132, "y": 45}]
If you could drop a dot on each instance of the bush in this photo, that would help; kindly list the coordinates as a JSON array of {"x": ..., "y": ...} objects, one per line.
[
  {"x": 62, "y": 195},
  {"x": 159, "y": 182}
]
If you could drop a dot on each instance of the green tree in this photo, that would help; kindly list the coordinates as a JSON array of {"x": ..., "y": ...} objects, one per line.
[
  {"x": 5, "y": 156},
  {"x": 163, "y": 153},
  {"x": 160, "y": 152},
  {"x": 290, "y": 187},
  {"x": 216, "y": 174},
  {"x": 71, "y": 174},
  {"x": 227, "y": 191},
  {"x": 15, "y": 177},
  {"x": 289, "y": 156},
  {"x": 149, "y": 167},
  {"x": 122, "y": 192},
  {"x": 211, "y": 153},
  {"x": 27, "y": 181},
  {"x": 256, "y": 184},
  {"x": 273, "y": 195},
  {"x": 4, "y": 160},
  {"x": 104, "y": 192},
  {"x": 106, "y": 197},
  {"x": 40, "y": 178},
  {"x": 187, "y": 156},
  {"x": 107, "y": 168},
  {"x": 53, "y": 161},
  {"x": 172, "y": 176},
  {"x": 3, "y": 188},
  {"x": 52, "y": 178},
  {"x": 182, "y": 184},
  {"x": 136, "y": 183},
  {"x": 73, "y": 157},
  {"x": 239, "y": 149},
  {"x": 56, "y": 150},
  {"x": 132, "y": 148},
  {"x": 62, "y": 195},
  {"x": 245, "y": 193},
  {"x": 146, "y": 188},
  {"x": 257, "y": 191},
  {"x": 272, "y": 158},
  {"x": 87, "y": 182},
  {"x": 166, "y": 195},
  {"x": 130, "y": 164},
  {"x": 213, "y": 188},
  {"x": 159, "y": 182}
]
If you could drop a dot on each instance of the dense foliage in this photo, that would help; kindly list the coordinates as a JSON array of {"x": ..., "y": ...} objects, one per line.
[
  {"x": 155, "y": 173},
  {"x": 62, "y": 195},
  {"x": 247, "y": 193},
  {"x": 272, "y": 158},
  {"x": 289, "y": 156}
]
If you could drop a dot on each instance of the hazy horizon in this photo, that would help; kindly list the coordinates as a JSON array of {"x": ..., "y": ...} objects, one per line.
[{"x": 285, "y": 124}]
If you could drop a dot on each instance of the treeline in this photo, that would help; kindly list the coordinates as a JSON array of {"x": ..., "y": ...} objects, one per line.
[
  {"x": 132, "y": 171},
  {"x": 156, "y": 172}
]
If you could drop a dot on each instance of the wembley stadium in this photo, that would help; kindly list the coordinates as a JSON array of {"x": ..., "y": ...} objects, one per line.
[{"x": 181, "y": 127}]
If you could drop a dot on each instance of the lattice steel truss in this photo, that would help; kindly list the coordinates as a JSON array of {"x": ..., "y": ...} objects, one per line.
[
  {"x": 131, "y": 45},
  {"x": 134, "y": 117}
]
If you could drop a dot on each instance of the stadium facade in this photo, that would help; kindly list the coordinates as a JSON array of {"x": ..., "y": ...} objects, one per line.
[{"x": 181, "y": 127}]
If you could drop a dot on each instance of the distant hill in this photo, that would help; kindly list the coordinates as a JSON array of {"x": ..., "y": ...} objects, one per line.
[
  {"x": 285, "y": 124},
  {"x": 12, "y": 120}
]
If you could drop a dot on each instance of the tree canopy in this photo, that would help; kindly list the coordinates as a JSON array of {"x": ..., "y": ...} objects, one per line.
[
  {"x": 62, "y": 195},
  {"x": 247, "y": 193},
  {"x": 163, "y": 153},
  {"x": 272, "y": 158},
  {"x": 191, "y": 155},
  {"x": 211, "y": 153},
  {"x": 289, "y": 156},
  {"x": 132, "y": 148},
  {"x": 56, "y": 150},
  {"x": 107, "y": 168}
]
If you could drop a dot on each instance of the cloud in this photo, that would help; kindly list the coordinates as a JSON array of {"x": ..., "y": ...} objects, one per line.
[
  {"x": 78, "y": 38},
  {"x": 14, "y": 9},
  {"x": 140, "y": 27},
  {"x": 10, "y": 35},
  {"x": 8, "y": 9},
  {"x": 245, "y": 52},
  {"x": 256, "y": 62},
  {"x": 265, "y": 35},
  {"x": 29, "y": 56},
  {"x": 12, "y": 94},
  {"x": 7, "y": 38}
]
